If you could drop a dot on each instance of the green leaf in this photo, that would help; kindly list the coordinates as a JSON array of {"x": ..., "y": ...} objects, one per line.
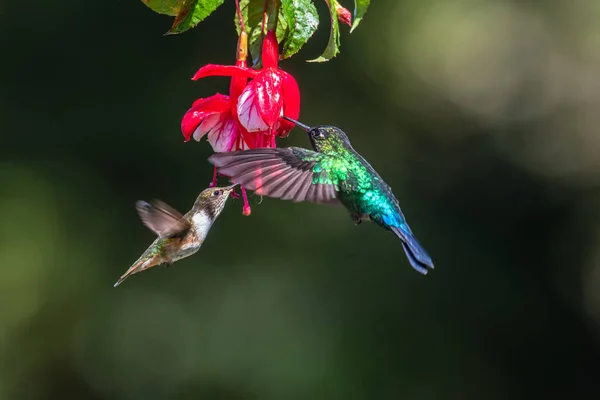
[
  {"x": 333, "y": 46},
  {"x": 166, "y": 7},
  {"x": 283, "y": 28},
  {"x": 252, "y": 13},
  {"x": 192, "y": 12},
  {"x": 302, "y": 21},
  {"x": 360, "y": 8}
]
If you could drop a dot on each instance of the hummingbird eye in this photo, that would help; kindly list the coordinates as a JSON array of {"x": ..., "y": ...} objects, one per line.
[
  {"x": 318, "y": 134},
  {"x": 217, "y": 193}
]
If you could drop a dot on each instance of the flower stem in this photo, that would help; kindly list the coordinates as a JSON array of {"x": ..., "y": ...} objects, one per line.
[
  {"x": 241, "y": 18},
  {"x": 273, "y": 15},
  {"x": 264, "y": 20}
]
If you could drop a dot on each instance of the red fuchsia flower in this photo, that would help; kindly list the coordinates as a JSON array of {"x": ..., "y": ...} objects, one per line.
[
  {"x": 216, "y": 117},
  {"x": 270, "y": 94},
  {"x": 250, "y": 116}
]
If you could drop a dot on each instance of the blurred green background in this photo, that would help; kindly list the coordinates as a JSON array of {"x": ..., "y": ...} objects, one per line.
[{"x": 483, "y": 116}]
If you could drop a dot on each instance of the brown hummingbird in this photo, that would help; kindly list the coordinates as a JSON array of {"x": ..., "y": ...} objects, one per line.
[{"x": 179, "y": 236}]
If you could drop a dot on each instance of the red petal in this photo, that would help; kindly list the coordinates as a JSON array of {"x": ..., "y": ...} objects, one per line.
[
  {"x": 269, "y": 95},
  {"x": 270, "y": 51},
  {"x": 291, "y": 103},
  {"x": 200, "y": 100},
  {"x": 252, "y": 139},
  {"x": 200, "y": 110},
  {"x": 236, "y": 87},
  {"x": 248, "y": 111},
  {"x": 224, "y": 70}
]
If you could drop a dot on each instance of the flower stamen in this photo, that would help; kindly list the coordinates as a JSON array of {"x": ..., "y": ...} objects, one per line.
[
  {"x": 215, "y": 180},
  {"x": 246, "y": 210}
]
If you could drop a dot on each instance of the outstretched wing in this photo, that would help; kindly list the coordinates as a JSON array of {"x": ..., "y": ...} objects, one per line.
[
  {"x": 289, "y": 173},
  {"x": 161, "y": 218}
]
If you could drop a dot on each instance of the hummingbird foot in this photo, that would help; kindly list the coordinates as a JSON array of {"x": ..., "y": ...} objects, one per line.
[{"x": 356, "y": 218}]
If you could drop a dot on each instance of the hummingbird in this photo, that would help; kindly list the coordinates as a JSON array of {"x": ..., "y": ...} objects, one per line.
[
  {"x": 179, "y": 236},
  {"x": 333, "y": 173}
]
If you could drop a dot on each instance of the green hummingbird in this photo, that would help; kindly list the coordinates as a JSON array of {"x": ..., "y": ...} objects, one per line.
[
  {"x": 333, "y": 173},
  {"x": 179, "y": 236}
]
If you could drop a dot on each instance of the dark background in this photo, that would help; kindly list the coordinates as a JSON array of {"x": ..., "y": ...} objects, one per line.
[{"x": 482, "y": 115}]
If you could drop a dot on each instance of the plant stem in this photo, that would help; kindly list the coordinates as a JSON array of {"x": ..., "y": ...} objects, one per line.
[
  {"x": 241, "y": 18},
  {"x": 273, "y": 15}
]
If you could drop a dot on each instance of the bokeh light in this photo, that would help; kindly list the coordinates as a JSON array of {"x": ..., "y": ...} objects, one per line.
[{"x": 483, "y": 115}]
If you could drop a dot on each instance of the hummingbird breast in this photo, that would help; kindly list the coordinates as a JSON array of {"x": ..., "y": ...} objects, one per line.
[
  {"x": 367, "y": 205},
  {"x": 201, "y": 223},
  {"x": 189, "y": 245}
]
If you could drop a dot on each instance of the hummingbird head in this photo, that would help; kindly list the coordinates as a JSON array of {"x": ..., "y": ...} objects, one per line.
[
  {"x": 212, "y": 200},
  {"x": 324, "y": 138}
]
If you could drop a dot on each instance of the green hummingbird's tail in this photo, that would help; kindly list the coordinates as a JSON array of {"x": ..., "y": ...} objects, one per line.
[{"x": 416, "y": 254}]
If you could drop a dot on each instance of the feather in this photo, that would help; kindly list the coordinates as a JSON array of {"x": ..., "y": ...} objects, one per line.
[
  {"x": 284, "y": 173},
  {"x": 416, "y": 254},
  {"x": 161, "y": 218},
  {"x": 280, "y": 186}
]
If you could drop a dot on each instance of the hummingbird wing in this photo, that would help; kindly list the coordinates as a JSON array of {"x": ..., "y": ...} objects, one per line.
[
  {"x": 161, "y": 218},
  {"x": 289, "y": 173}
]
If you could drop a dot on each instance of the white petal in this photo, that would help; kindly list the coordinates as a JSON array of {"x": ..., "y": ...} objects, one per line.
[
  {"x": 222, "y": 136},
  {"x": 243, "y": 144},
  {"x": 247, "y": 109},
  {"x": 205, "y": 126}
]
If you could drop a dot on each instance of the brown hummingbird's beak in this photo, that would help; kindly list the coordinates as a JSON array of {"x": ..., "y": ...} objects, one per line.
[
  {"x": 297, "y": 123},
  {"x": 231, "y": 187}
]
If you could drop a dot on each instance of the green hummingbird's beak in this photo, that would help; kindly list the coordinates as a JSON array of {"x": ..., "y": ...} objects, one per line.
[{"x": 297, "y": 123}]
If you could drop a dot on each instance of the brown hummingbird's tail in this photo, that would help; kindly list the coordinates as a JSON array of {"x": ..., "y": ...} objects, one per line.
[
  {"x": 122, "y": 278},
  {"x": 138, "y": 266}
]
